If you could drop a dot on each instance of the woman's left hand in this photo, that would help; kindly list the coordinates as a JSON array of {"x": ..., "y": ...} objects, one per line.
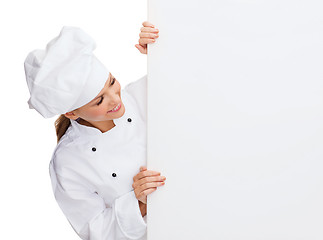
[{"x": 147, "y": 34}]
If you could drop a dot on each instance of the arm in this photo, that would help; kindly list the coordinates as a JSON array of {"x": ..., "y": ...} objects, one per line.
[{"x": 88, "y": 214}]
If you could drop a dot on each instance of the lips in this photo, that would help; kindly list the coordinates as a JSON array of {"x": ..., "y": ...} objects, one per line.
[{"x": 116, "y": 108}]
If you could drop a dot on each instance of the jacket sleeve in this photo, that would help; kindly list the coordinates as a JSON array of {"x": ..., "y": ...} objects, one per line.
[{"x": 88, "y": 214}]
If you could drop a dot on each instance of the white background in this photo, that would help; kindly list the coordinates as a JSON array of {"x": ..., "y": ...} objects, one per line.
[
  {"x": 28, "y": 208},
  {"x": 235, "y": 119}
]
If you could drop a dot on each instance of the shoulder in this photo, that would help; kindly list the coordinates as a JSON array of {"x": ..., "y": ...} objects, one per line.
[
  {"x": 138, "y": 92},
  {"x": 68, "y": 164},
  {"x": 64, "y": 154},
  {"x": 137, "y": 86}
]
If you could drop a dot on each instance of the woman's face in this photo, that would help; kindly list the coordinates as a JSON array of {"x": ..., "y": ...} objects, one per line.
[{"x": 107, "y": 105}]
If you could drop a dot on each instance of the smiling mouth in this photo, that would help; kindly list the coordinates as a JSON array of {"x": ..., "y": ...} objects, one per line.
[{"x": 116, "y": 108}]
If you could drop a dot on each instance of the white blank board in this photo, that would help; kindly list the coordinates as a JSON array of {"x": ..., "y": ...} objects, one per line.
[{"x": 235, "y": 119}]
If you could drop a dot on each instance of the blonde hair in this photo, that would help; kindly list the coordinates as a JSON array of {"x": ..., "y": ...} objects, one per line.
[{"x": 61, "y": 125}]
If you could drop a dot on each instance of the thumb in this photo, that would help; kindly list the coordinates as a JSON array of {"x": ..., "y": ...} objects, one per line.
[
  {"x": 141, "y": 49},
  {"x": 142, "y": 168}
]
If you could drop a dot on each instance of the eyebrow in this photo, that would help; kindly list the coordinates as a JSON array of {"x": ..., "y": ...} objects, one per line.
[{"x": 102, "y": 94}]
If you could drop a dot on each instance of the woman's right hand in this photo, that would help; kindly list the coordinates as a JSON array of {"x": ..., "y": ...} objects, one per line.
[
  {"x": 147, "y": 35},
  {"x": 145, "y": 182}
]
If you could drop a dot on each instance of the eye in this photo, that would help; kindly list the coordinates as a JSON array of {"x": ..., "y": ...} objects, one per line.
[{"x": 100, "y": 101}]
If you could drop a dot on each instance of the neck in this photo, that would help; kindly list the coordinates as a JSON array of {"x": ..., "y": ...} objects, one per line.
[{"x": 103, "y": 126}]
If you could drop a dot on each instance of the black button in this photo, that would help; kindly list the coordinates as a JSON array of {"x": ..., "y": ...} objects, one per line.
[
  {"x": 114, "y": 174},
  {"x": 93, "y": 149},
  {"x": 129, "y": 119}
]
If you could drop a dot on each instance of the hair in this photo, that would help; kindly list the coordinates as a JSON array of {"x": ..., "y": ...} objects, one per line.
[{"x": 61, "y": 125}]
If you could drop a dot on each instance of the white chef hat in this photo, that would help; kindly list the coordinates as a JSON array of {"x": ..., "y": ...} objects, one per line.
[{"x": 66, "y": 75}]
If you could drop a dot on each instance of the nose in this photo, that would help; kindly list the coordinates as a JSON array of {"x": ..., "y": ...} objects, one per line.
[
  {"x": 115, "y": 100},
  {"x": 114, "y": 97}
]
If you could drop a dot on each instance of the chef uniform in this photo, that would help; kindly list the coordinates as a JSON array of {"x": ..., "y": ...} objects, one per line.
[{"x": 91, "y": 172}]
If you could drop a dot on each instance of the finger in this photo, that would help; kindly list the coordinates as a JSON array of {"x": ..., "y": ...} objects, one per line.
[
  {"x": 140, "y": 195},
  {"x": 147, "y": 24},
  {"x": 148, "y": 179},
  {"x": 145, "y": 173},
  {"x": 142, "y": 168},
  {"x": 145, "y": 192},
  {"x": 145, "y": 186},
  {"x": 145, "y": 41},
  {"x": 148, "y": 35},
  {"x": 148, "y": 29}
]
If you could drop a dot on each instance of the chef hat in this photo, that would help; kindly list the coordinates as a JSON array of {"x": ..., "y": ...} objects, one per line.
[{"x": 66, "y": 75}]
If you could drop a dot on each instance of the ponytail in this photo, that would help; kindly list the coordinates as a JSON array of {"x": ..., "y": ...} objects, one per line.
[{"x": 61, "y": 124}]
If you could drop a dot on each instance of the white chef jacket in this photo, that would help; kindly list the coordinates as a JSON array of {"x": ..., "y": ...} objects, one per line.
[{"x": 92, "y": 172}]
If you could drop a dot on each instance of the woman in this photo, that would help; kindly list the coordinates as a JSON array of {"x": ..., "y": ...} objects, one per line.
[{"x": 101, "y": 135}]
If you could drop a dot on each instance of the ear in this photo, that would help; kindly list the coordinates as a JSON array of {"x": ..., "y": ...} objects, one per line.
[{"x": 71, "y": 115}]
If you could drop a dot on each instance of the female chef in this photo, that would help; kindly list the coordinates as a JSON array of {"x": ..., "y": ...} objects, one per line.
[{"x": 101, "y": 135}]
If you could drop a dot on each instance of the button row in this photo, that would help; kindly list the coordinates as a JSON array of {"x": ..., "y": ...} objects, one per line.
[{"x": 94, "y": 149}]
